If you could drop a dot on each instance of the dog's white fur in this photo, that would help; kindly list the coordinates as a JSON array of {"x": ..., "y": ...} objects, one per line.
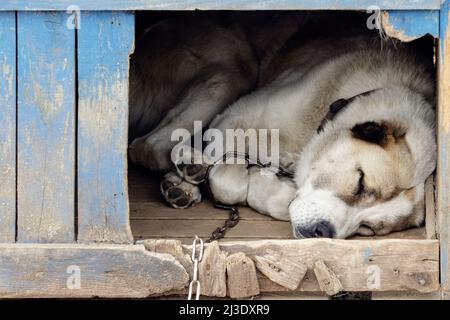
[
  {"x": 290, "y": 104},
  {"x": 327, "y": 164}
]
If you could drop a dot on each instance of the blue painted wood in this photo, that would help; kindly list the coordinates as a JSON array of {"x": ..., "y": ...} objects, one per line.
[
  {"x": 46, "y": 135},
  {"x": 105, "y": 42},
  {"x": 217, "y": 5},
  {"x": 414, "y": 24},
  {"x": 7, "y": 126},
  {"x": 443, "y": 136}
]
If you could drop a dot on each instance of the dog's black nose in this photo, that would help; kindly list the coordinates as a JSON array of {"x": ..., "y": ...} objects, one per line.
[{"x": 322, "y": 229}]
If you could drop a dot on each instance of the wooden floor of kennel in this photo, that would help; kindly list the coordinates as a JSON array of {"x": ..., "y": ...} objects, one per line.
[{"x": 65, "y": 227}]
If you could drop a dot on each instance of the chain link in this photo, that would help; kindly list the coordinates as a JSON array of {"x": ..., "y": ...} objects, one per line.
[
  {"x": 234, "y": 217},
  {"x": 196, "y": 259}
]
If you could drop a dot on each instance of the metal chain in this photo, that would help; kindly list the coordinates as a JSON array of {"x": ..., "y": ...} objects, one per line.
[
  {"x": 195, "y": 259},
  {"x": 234, "y": 217}
]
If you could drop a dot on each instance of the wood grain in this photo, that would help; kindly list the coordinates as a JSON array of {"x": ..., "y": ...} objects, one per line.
[
  {"x": 279, "y": 269},
  {"x": 46, "y": 134},
  {"x": 105, "y": 42},
  {"x": 405, "y": 265},
  {"x": 212, "y": 271},
  {"x": 430, "y": 209},
  {"x": 443, "y": 140},
  {"x": 7, "y": 126},
  {"x": 220, "y": 5},
  {"x": 204, "y": 228},
  {"x": 109, "y": 271},
  {"x": 327, "y": 279},
  {"x": 241, "y": 276}
]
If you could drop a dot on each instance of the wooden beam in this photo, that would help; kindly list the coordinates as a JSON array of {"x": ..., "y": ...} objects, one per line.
[
  {"x": 220, "y": 5},
  {"x": 403, "y": 265},
  {"x": 430, "y": 209},
  {"x": 7, "y": 126},
  {"x": 86, "y": 271},
  {"x": 105, "y": 41},
  {"x": 46, "y": 128},
  {"x": 443, "y": 137}
]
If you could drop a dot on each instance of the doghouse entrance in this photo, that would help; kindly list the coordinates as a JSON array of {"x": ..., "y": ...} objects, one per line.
[{"x": 151, "y": 217}]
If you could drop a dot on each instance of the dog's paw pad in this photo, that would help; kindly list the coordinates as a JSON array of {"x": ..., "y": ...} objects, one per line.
[{"x": 193, "y": 173}]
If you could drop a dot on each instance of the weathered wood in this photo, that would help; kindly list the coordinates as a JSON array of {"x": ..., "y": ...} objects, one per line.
[
  {"x": 430, "y": 209},
  {"x": 7, "y": 126},
  {"x": 220, "y": 5},
  {"x": 443, "y": 140},
  {"x": 212, "y": 271},
  {"x": 408, "y": 25},
  {"x": 327, "y": 279},
  {"x": 404, "y": 265},
  {"x": 281, "y": 270},
  {"x": 46, "y": 134},
  {"x": 105, "y": 42},
  {"x": 85, "y": 271},
  {"x": 241, "y": 276},
  {"x": 203, "y": 228},
  {"x": 172, "y": 247}
]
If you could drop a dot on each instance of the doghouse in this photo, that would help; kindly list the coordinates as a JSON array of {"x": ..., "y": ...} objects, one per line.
[{"x": 68, "y": 211}]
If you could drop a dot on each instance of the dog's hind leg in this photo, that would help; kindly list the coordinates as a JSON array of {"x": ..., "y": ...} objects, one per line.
[{"x": 208, "y": 95}]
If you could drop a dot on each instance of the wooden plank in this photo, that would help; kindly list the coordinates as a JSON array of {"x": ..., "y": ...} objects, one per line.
[
  {"x": 157, "y": 210},
  {"x": 430, "y": 209},
  {"x": 327, "y": 279},
  {"x": 105, "y": 42},
  {"x": 172, "y": 247},
  {"x": 241, "y": 276},
  {"x": 443, "y": 139},
  {"x": 285, "y": 272},
  {"x": 220, "y": 5},
  {"x": 404, "y": 265},
  {"x": 212, "y": 271},
  {"x": 8, "y": 126},
  {"x": 408, "y": 25},
  {"x": 406, "y": 296},
  {"x": 86, "y": 271},
  {"x": 204, "y": 228},
  {"x": 46, "y": 134}
]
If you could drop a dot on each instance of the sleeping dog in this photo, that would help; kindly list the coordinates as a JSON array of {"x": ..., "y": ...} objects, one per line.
[{"x": 354, "y": 113}]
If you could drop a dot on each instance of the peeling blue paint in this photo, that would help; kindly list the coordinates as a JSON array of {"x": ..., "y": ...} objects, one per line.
[{"x": 415, "y": 24}]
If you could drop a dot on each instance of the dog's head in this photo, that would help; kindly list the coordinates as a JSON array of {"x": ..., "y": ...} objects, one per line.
[{"x": 365, "y": 171}]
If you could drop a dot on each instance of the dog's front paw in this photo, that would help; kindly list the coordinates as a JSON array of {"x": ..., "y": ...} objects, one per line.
[
  {"x": 179, "y": 193},
  {"x": 192, "y": 165}
]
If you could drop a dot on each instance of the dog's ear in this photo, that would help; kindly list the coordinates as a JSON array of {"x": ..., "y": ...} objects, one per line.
[
  {"x": 371, "y": 132},
  {"x": 378, "y": 133}
]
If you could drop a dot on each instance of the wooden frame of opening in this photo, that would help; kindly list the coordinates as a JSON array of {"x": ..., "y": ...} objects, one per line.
[{"x": 63, "y": 142}]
